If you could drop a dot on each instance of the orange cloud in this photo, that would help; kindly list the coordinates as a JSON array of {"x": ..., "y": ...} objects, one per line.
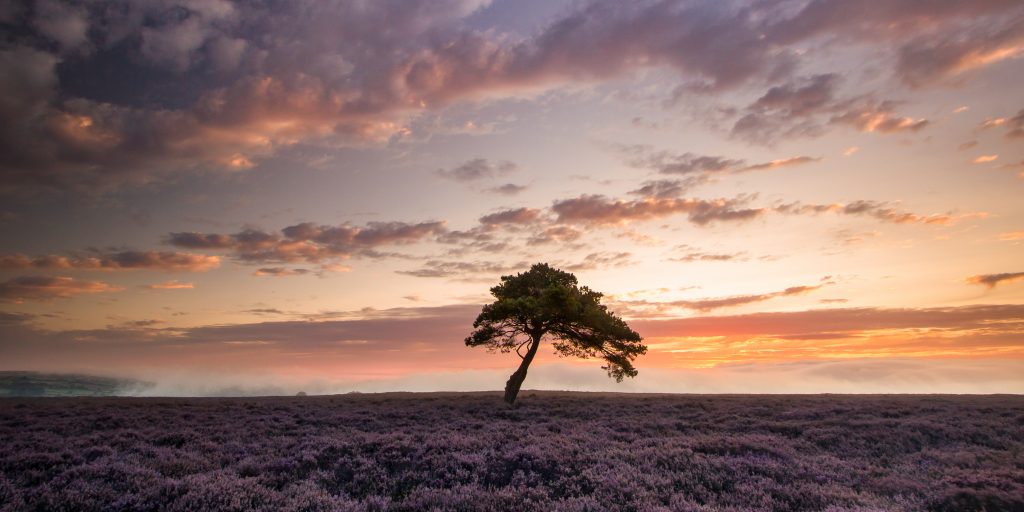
[
  {"x": 124, "y": 260},
  {"x": 991, "y": 280},
  {"x": 309, "y": 242},
  {"x": 599, "y": 210},
  {"x": 971, "y": 331},
  {"x": 879, "y": 210},
  {"x": 643, "y": 308},
  {"x": 170, "y": 285},
  {"x": 42, "y": 288},
  {"x": 337, "y": 76}
]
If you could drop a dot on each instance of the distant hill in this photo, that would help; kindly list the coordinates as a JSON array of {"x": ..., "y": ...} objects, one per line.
[{"x": 57, "y": 384}]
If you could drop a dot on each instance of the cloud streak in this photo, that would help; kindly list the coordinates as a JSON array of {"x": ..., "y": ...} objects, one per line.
[
  {"x": 309, "y": 242},
  {"x": 124, "y": 260},
  {"x": 45, "y": 288},
  {"x": 992, "y": 280},
  {"x": 643, "y": 308},
  {"x": 876, "y": 209},
  {"x": 477, "y": 169},
  {"x": 602, "y": 211}
]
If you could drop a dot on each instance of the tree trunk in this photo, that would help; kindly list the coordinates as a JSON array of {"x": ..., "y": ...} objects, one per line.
[{"x": 515, "y": 381}]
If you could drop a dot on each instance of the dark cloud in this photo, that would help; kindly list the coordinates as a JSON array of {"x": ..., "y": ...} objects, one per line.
[
  {"x": 403, "y": 339},
  {"x": 644, "y": 308},
  {"x": 663, "y": 188},
  {"x": 928, "y": 59},
  {"x": 880, "y": 210},
  {"x": 265, "y": 311},
  {"x": 508, "y": 189},
  {"x": 665, "y": 162},
  {"x": 477, "y": 169},
  {"x": 850, "y": 320},
  {"x": 124, "y": 260},
  {"x": 698, "y": 168},
  {"x": 281, "y": 271},
  {"x": 513, "y": 216},
  {"x": 1015, "y": 126},
  {"x": 935, "y": 39},
  {"x": 42, "y": 288},
  {"x": 807, "y": 107},
  {"x": 690, "y": 255},
  {"x": 219, "y": 85},
  {"x": 555, "y": 234},
  {"x": 15, "y": 318},
  {"x": 600, "y": 210},
  {"x": 599, "y": 261},
  {"x": 991, "y": 280},
  {"x": 464, "y": 270},
  {"x": 310, "y": 242}
]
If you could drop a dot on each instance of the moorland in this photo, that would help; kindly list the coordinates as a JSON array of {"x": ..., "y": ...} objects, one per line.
[{"x": 555, "y": 451}]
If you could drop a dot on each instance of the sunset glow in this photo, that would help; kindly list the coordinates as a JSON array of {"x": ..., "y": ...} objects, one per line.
[{"x": 780, "y": 196}]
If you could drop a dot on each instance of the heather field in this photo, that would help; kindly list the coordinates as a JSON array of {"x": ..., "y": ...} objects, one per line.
[{"x": 556, "y": 451}]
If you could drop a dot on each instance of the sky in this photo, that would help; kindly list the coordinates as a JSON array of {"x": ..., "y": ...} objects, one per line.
[{"x": 260, "y": 197}]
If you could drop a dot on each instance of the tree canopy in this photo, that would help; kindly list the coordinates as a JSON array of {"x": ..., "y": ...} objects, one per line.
[{"x": 545, "y": 302}]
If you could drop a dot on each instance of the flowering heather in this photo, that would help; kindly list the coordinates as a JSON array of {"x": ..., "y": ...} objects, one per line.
[{"x": 557, "y": 451}]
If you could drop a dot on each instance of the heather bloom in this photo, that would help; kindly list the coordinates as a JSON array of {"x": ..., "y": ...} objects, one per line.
[{"x": 557, "y": 451}]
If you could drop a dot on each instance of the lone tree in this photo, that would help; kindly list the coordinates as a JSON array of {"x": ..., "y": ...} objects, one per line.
[{"x": 547, "y": 302}]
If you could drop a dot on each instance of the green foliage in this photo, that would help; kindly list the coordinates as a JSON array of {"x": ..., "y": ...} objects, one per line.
[{"x": 547, "y": 302}]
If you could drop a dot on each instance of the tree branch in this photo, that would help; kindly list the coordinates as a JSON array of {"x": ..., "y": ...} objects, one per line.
[{"x": 521, "y": 356}]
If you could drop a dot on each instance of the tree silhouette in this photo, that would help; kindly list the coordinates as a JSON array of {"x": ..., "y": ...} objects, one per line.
[{"x": 547, "y": 302}]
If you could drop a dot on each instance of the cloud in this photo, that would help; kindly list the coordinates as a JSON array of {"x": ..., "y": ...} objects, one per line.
[
  {"x": 928, "y": 60},
  {"x": 934, "y": 41},
  {"x": 877, "y": 209},
  {"x": 783, "y": 162},
  {"x": 43, "y": 288},
  {"x": 1011, "y": 236},
  {"x": 124, "y": 260},
  {"x": 843, "y": 350},
  {"x": 984, "y": 159},
  {"x": 281, "y": 271},
  {"x": 646, "y": 308},
  {"x": 600, "y": 210},
  {"x": 508, "y": 189},
  {"x": 991, "y": 280},
  {"x": 309, "y": 242},
  {"x": 62, "y": 23},
  {"x": 170, "y": 285},
  {"x": 477, "y": 169},
  {"x": 465, "y": 270},
  {"x": 555, "y": 234},
  {"x": 847, "y": 320},
  {"x": 663, "y": 189},
  {"x": 1014, "y": 125},
  {"x": 600, "y": 261},
  {"x": 513, "y": 216},
  {"x": 690, "y": 255},
  {"x": 222, "y": 88},
  {"x": 807, "y": 107},
  {"x": 665, "y": 162}
]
